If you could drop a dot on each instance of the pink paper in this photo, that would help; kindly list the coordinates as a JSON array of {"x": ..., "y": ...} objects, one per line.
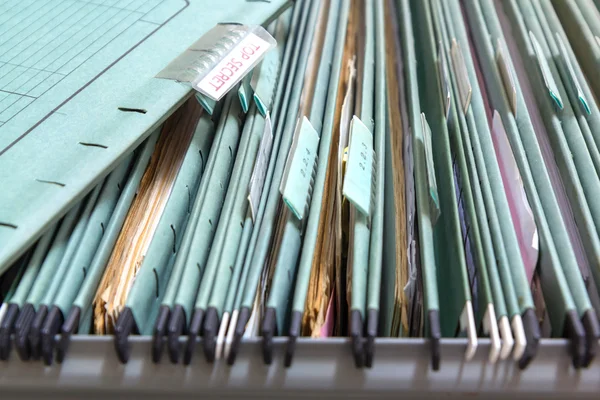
[
  {"x": 520, "y": 210},
  {"x": 327, "y": 328}
]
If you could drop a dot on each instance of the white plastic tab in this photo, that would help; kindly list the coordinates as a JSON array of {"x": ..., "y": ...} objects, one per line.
[
  {"x": 506, "y": 335},
  {"x": 490, "y": 327},
  {"x": 520, "y": 338},
  {"x": 219, "y": 60},
  {"x": 467, "y": 323},
  {"x": 257, "y": 180}
]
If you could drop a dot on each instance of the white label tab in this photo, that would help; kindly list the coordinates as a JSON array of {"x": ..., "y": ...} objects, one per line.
[
  {"x": 229, "y": 71},
  {"x": 358, "y": 180},
  {"x": 296, "y": 188},
  {"x": 257, "y": 180}
]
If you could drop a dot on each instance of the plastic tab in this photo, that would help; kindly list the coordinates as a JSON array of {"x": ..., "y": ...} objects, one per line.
[
  {"x": 546, "y": 74},
  {"x": 460, "y": 69},
  {"x": 207, "y": 104},
  {"x": 257, "y": 180},
  {"x": 467, "y": 323},
  {"x": 490, "y": 328},
  {"x": 296, "y": 187},
  {"x": 359, "y": 178},
  {"x": 220, "y": 59},
  {"x": 245, "y": 92},
  {"x": 572, "y": 76},
  {"x": 508, "y": 77},
  {"x": 434, "y": 202}
]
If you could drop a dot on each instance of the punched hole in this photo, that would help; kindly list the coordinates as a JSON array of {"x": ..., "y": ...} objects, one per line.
[
  {"x": 174, "y": 239},
  {"x": 51, "y": 182},
  {"x": 84, "y": 272},
  {"x": 93, "y": 145},
  {"x": 189, "y": 207},
  {"x": 210, "y": 222},
  {"x": 156, "y": 278},
  {"x": 136, "y": 110}
]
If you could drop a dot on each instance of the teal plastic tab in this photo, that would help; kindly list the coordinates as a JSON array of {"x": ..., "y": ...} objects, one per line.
[
  {"x": 245, "y": 92},
  {"x": 572, "y": 76},
  {"x": 206, "y": 103},
  {"x": 358, "y": 181},
  {"x": 546, "y": 74},
  {"x": 434, "y": 200},
  {"x": 271, "y": 66},
  {"x": 299, "y": 173}
]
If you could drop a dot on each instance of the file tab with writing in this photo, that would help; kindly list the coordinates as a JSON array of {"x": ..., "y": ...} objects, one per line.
[
  {"x": 297, "y": 183},
  {"x": 220, "y": 59},
  {"x": 358, "y": 180}
]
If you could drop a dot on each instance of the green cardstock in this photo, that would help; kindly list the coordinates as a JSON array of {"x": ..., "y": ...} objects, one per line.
[{"x": 86, "y": 101}]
